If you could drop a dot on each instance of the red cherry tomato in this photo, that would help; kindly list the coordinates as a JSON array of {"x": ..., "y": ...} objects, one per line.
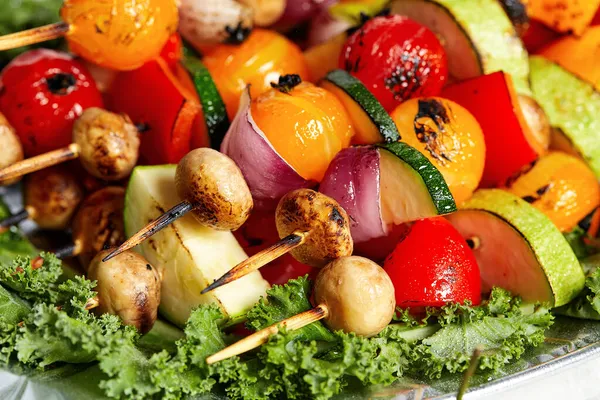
[
  {"x": 258, "y": 233},
  {"x": 42, "y": 92},
  {"x": 396, "y": 59},
  {"x": 172, "y": 51},
  {"x": 433, "y": 265}
]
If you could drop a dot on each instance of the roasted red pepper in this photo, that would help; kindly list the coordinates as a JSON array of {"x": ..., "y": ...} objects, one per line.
[
  {"x": 42, "y": 92},
  {"x": 509, "y": 142},
  {"x": 163, "y": 109},
  {"x": 172, "y": 51},
  {"x": 433, "y": 265}
]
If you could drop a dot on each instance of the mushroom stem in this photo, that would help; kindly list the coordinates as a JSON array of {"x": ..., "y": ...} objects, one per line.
[
  {"x": 39, "y": 162},
  {"x": 15, "y": 219},
  {"x": 34, "y": 35},
  {"x": 153, "y": 227},
  {"x": 259, "y": 260},
  {"x": 260, "y": 337}
]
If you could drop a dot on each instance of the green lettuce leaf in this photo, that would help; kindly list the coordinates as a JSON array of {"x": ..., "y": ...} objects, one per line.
[
  {"x": 502, "y": 328},
  {"x": 38, "y": 284},
  {"x": 587, "y": 304},
  {"x": 284, "y": 301}
]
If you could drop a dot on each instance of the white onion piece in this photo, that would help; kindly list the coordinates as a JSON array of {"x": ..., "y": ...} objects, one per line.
[
  {"x": 324, "y": 26},
  {"x": 268, "y": 175},
  {"x": 352, "y": 179}
]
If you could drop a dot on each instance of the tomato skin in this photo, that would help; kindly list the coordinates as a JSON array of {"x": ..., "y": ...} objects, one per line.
[
  {"x": 433, "y": 265},
  {"x": 42, "y": 93},
  {"x": 396, "y": 59}
]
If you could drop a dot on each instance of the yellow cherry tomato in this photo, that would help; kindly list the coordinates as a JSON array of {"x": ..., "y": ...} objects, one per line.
[
  {"x": 307, "y": 126},
  {"x": 119, "y": 34},
  {"x": 260, "y": 60},
  {"x": 561, "y": 186},
  {"x": 449, "y": 136}
]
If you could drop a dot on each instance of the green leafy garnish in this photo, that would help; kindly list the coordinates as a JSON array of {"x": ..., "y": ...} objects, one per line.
[{"x": 587, "y": 304}]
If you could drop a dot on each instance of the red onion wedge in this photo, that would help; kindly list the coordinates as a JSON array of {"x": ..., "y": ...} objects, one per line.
[
  {"x": 381, "y": 188},
  {"x": 353, "y": 180},
  {"x": 324, "y": 26},
  {"x": 268, "y": 175}
]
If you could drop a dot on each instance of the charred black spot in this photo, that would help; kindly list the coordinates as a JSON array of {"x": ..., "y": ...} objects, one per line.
[
  {"x": 336, "y": 216},
  {"x": 586, "y": 222},
  {"x": 287, "y": 82},
  {"x": 61, "y": 84},
  {"x": 517, "y": 13},
  {"x": 514, "y": 177},
  {"x": 149, "y": 267},
  {"x": 405, "y": 79},
  {"x": 541, "y": 191},
  {"x": 530, "y": 199},
  {"x": 432, "y": 110},
  {"x": 142, "y": 127},
  {"x": 237, "y": 34}
]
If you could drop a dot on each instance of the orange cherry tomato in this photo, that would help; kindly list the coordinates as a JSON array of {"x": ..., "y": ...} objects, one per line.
[
  {"x": 306, "y": 124},
  {"x": 119, "y": 34},
  {"x": 260, "y": 60},
  {"x": 561, "y": 186},
  {"x": 449, "y": 136}
]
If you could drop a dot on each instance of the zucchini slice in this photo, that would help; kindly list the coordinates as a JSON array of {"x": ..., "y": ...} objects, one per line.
[
  {"x": 372, "y": 123},
  {"x": 478, "y": 37},
  {"x": 518, "y": 248},
  {"x": 571, "y": 104},
  {"x": 189, "y": 255},
  {"x": 213, "y": 107},
  {"x": 434, "y": 198}
]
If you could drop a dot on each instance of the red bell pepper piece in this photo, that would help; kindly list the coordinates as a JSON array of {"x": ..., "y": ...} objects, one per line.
[
  {"x": 172, "y": 51},
  {"x": 510, "y": 144},
  {"x": 162, "y": 108}
]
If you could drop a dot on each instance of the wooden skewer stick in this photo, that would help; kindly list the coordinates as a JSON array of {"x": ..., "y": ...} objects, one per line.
[
  {"x": 155, "y": 226},
  {"x": 260, "y": 259},
  {"x": 34, "y": 35},
  {"x": 40, "y": 162},
  {"x": 261, "y": 337},
  {"x": 6, "y": 223}
]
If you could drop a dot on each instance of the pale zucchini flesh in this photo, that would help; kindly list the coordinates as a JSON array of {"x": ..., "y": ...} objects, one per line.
[{"x": 189, "y": 255}]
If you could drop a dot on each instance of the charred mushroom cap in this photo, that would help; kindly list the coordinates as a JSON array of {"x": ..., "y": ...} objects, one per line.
[
  {"x": 53, "y": 194},
  {"x": 98, "y": 223},
  {"x": 325, "y": 221},
  {"x": 358, "y": 293},
  {"x": 108, "y": 143},
  {"x": 128, "y": 286},
  {"x": 215, "y": 187},
  {"x": 11, "y": 150}
]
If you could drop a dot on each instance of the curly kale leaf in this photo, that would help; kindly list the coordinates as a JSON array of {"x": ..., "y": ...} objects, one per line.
[
  {"x": 284, "y": 301},
  {"x": 35, "y": 284}
]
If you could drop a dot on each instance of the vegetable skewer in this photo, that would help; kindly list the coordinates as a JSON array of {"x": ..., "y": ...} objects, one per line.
[
  {"x": 11, "y": 150},
  {"x": 51, "y": 197},
  {"x": 106, "y": 143},
  {"x": 312, "y": 226},
  {"x": 337, "y": 287},
  {"x": 97, "y": 224},
  {"x": 214, "y": 190},
  {"x": 109, "y": 34},
  {"x": 134, "y": 296}
]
